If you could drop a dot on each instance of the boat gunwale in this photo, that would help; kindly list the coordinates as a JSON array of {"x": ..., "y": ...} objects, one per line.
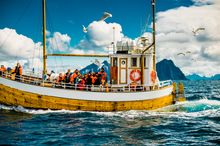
[{"x": 136, "y": 90}]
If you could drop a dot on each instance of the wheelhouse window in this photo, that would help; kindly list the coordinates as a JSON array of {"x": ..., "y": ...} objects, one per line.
[
  {"x": 115, "y": 61},
  {"x": 134, "y": 62}
]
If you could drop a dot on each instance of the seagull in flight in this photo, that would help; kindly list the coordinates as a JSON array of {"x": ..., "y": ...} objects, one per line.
[
  {"x": 181, "y": 54},
  {"x": 105, "y": 16},
  {"x": 195, "y": 31},
  {"x": 84, "y": 29}
]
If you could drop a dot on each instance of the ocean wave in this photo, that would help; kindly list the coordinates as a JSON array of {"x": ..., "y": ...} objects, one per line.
[
  {"x": 198, "y": 108},
  {"x": 35, "y": 111}
]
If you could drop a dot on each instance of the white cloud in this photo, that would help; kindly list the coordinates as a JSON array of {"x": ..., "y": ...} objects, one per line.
[
  {"x": 100, "y": 36},
  {"x": 174, "y": 35},
  {"x": 202, "y": 2},
  {"x": 59, "y": 42},
  {"x": 16, "y": 47},
  {"x": 212, "y": 52}
]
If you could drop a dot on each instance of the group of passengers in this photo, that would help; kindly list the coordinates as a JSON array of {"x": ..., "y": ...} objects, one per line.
[
  {"x": 69, "y": 78},
  {"x": 76, "y": 78}
]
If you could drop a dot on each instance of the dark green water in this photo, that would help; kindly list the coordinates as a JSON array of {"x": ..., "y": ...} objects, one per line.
[{"x": 194, "y": 122}]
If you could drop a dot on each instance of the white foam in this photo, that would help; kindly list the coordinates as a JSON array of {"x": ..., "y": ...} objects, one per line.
[
  {"x": 176, "y": 110},
  {"x": 35, "y": 111}
]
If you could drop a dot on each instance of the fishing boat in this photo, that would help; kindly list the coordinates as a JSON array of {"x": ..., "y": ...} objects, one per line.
[{"x": 133, "y": 84}]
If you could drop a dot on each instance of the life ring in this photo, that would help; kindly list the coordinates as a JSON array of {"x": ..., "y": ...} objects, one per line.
[
  {"x": 135, "y": 75},
  {"x": 153, "y": 76}
]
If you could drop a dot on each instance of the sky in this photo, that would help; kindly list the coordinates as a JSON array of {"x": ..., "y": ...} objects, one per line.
[{"x": 21, "y": 31}]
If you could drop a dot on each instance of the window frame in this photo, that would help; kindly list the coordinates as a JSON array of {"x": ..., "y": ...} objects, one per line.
[{"x": 132, "y": 65}]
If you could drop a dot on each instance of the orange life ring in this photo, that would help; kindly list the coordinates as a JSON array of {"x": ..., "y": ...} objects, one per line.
[
  {"x": 135, "y": 75},
  {"x": 153, "y": 76}
]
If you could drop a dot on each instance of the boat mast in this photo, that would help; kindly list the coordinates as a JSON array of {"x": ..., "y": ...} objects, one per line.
[
  {"x": 152, "y": 45},
  {"x": 44, "y": 38},
  {"x": 154, "y": 38}
]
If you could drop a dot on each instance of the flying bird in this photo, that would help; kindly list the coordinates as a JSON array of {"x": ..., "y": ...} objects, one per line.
[
  {"x": 84, "y": 29},
  {"x": 188, "y": 52},
  {"x": 105, "y": 16},
  {"x": 181, "y": 54},
  {"x": 195, "y": 31}
]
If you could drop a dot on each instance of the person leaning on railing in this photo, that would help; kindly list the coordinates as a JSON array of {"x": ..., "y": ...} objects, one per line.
[
  {"x": 74, "y": 77},
  {"x": 2, "y": 70},
  {"x": 18, "y": 72}
]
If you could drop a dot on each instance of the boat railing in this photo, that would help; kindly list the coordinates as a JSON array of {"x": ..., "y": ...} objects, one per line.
[
  {"x": 94, "y": 88},
  {"x": 165, "y": 83}
]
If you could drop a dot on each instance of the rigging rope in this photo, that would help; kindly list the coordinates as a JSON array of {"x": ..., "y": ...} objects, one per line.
[
  {"x": 146, "y": 24},
  {"x": 17, "y": 21},
  {"x": 50, "y": 23}
]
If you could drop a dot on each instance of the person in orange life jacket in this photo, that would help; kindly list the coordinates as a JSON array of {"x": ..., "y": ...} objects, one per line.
[
  {"x": 103, "y": 76},
  {"x": 93, "y": 77},
  {"x": 2, "y": 70},
  {"x": 60, "y": 78},
  {"x": 18, "y": 72},
  {"x": 74, "y": 77}
]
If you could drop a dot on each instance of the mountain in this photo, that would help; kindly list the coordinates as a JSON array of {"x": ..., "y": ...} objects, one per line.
[
  {"x": 216, "y": 77},
  {"x": 92, "y": 67},
  {"x": 95, "y": 67},
  {"x": 167, "y": 70},
  {"x": 195, "y": 77}
]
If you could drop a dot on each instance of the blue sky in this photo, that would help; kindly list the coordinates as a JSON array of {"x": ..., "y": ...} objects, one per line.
[
  {"x": 21, "y": 30},
  {"x": 67, "y": 16}
]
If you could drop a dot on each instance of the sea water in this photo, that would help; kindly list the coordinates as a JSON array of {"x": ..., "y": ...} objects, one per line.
[{"x": 194, "y": 122}]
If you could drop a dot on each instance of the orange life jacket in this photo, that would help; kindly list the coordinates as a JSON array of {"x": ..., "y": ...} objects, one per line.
[
  {"x": 60, "y": 78},
  {"x": 104, "y": 75},
  {"x": 153, "y": 76},
  {"x": 3, "y": 69},
  {"x": 93, "y": 79},
  {"x": 20, "y": 70},
  {"x": 72, "y": 77}
]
